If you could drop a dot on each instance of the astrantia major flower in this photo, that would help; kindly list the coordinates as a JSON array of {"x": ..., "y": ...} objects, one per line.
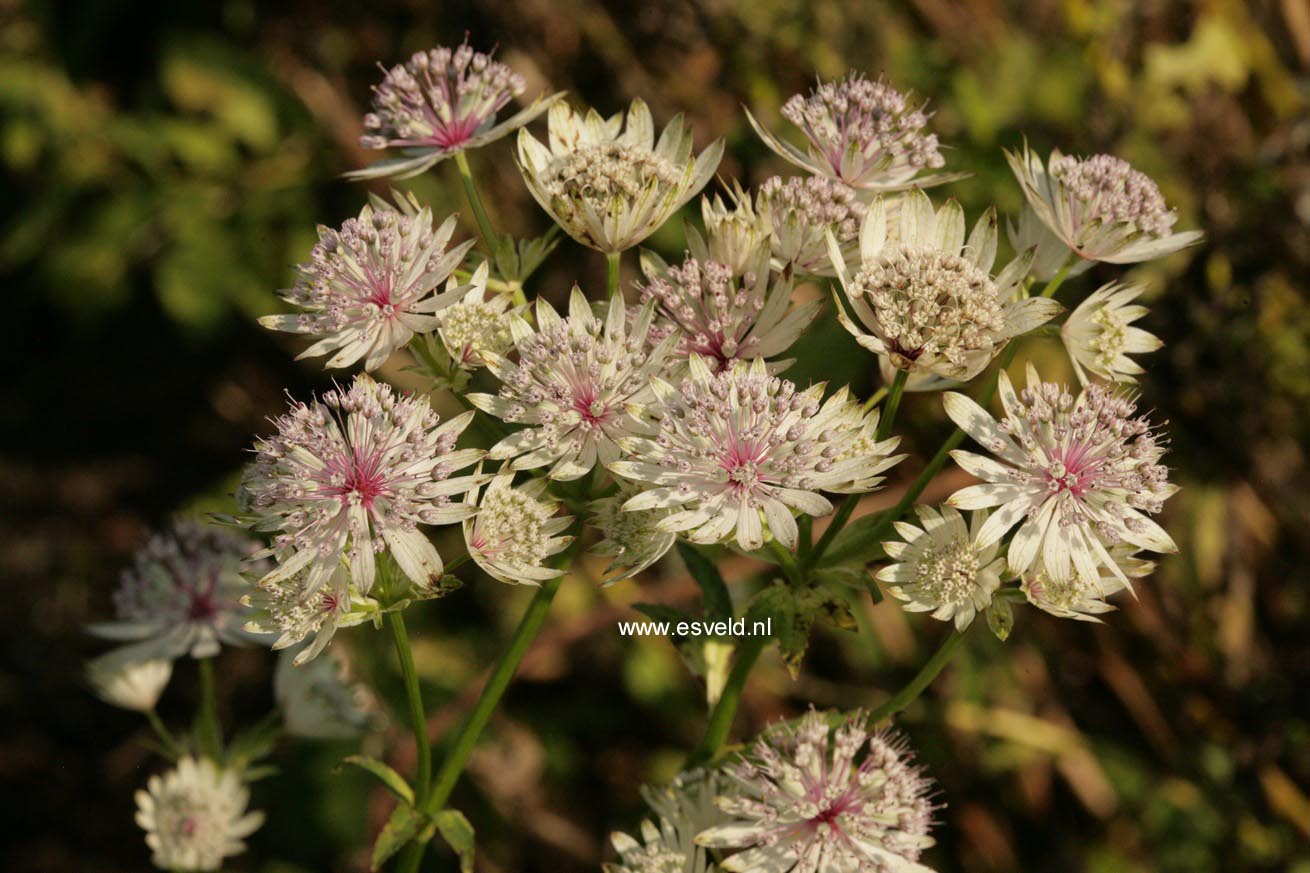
[
  {"x": 298, "y": 613},
  {"x": 368, "y": 287},
  {"x": 1080, "y": 474},
  {"x": 849, "y": 431},
  {"x": 1084, "y": 597},
  {"x": 1099, "y": 335},
  {"x": 354, "y": 473},
  {"x": 1101, "y": 207},
  {"x": 862, "y": 133},
  {"x": 734, "y": 232},
  {"x": 181, "y": 595},
  {"x": 926, "y": 297},
  {"x": 799, "y": 213},
  {"x": 611, "y": 190},
  {"x": 195, "y": 815},
  {"x": 515, "y": 531},
  {"x": 1050, "y": 254},
  {"x": 682, "y": 810},
  {"x": 122, "y": 679},
  {"x": 810, "y": 799},
  {"x": 476, "y": 324},
  {"x": 440, "y": 102},
  {"x": 320, "y": 701},
  {"x": 632, "y": 541},
  {"x": 941, "y": 568},
  {"x": 579, "y": 386}
]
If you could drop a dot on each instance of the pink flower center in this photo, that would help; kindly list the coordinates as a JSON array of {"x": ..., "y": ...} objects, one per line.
[
  {"x": 1073, "y": 470},
  {"x": 455, "y": 133},
  {"x": 357, "y": 476},
  {"x": 594, "y": 413}
]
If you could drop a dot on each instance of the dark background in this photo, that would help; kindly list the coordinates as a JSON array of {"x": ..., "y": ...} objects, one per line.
[{"x": 165, "y": 163}]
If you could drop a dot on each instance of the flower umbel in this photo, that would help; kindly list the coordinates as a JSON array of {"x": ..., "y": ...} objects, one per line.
[
  {"x": 941, "y": 568},
  {"x": 296, "y": 613},
  {"x": 734, "y": 232},
  {"x": 515, "y": 531},
  {"x": 800, "y": 212},
  {"x": 1084, "y": 597},
  {"x": 195, "y": 815},
  {"x": 1099, "y": 335},
  {"x": 632, "y": 540},
  {"x": 320, "y": 701},
  {"x": 476, "y": 324},
  {"x": 120, "y": 679},
  {"x": 682, "y": 810}
]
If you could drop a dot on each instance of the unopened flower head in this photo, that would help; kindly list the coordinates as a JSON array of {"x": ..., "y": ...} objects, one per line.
[
  {"x": 609, "y": 189},
  {"x": 734, "y": 232},
  {"x": 1084, "y": 597},
  {"x": 737, "y": 451},
  {"x": 478, "y": 323},
  {"x": 810, "y": 799},
  {"x": 1099, "y": 334},
  {"x": 121, "y": 679},
  {"x": 862, "y": 133},
  {"x": 801, "y": 211},
  {"x": 181, "y": 595},
  {"x": 940, "y": 566},
  {"x": 632, "y": 541},
  {"x": 354, "y": 473},
  {"x": 681, "y": 810},
  {"x": 440, "y": 102},
  {"x": 320, "y": 701},
  {"x": 195, "y": 816},
  {"x": 516, "y": 531},
  {"x": 1101, "y": 207},
  {"x": 578, "y": 385},
  {"x": 1081, "y": 474},
  {"x": 926, "y": 297},
  {"x": 297, "y": 613},
  {"x": 724, "y": 316}
]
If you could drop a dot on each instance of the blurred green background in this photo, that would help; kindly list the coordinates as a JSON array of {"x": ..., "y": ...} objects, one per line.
[{"x": 165, "y": 163}]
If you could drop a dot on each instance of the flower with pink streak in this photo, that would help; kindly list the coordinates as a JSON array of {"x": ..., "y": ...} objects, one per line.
[
  {"x": 354, "y": 473},
  {"x": 812, "y": 799},
  {"x": 1082, "y": 475}
]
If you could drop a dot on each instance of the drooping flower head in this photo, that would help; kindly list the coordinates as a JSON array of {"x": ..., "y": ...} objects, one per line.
[
  {"x": 354, "y": 473},
  {"x": 516, "y": 531},
  {"x": 1081, "y": 475},
  {"x": 1084, "y": 597},
  {"x": 195, "y": 815},
  {"x": 940, "y": 566},
  {"x": 122, "y": 679},
  {"x": 297, "y": 613},
  {"x": 800, "y": 212},
  {"x": 926, "y": 297},
  {"x": 632, "y": 540},
  {"x": 810, "y": 799},
  {"x": 734, "y": 231},
  {"x": 321, "y": 701},
  {"x": 369, "y": 286},
  {"x": 578, "y": 386},
  {"x": 737, "y": 451},
  {"x": 181, "y": 595},
  {"x": 1101, "y": 207},
  {"x": 609, "y": 189},
  {"x": 477, "y": 323},
  {"x": 440, "y": 102},
  {"x": 862, "y": 133},
  {"x": 681, "y": 810},
  {"x": 1099, "y": 334}
]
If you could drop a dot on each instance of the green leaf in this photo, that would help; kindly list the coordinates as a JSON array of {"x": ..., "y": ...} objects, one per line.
[
  {"x": 855, "y": 545},
  {"x": 255, "y": 742},
  {"x": 390, "y": 779},
  {"x": 714, "y": 593},
  {"x": 458, "y": 834},
  {"x": 793, "y": 612},
  {"x": 1000, "y": 618},
  {"x": 405, "y": 824}
]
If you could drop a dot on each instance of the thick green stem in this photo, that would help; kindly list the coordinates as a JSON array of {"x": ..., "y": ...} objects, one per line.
[
  {"x": 170, "y": 742},
  {"x": 475, "y": 202},
  {"x": 921, "y": 680},
  {"x": 720, "y": 723},
  {"x": 209, "y": 735},
  {"x": 418, "y": 720},
  {"x": 893, "y": 404},
  {"x": 1058, "y": 279},
  {"x": 787, "y": 561},
  {"x": 834, "y": 527},
  {"x": 875, "y": 398},
  {"x": 611, "y": 273}
]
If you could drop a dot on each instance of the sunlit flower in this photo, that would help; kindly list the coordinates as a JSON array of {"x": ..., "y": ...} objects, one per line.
[
  {"x": 516, "y": 531},
  {"x": 120, "y": 679},
  {"x": 181, "y": 594},
  {"x": 298, "y": 613},
  {"x": 734, "y": 232},
  {"x": 1101, "y": 207},
  {"x": 800, "y": 212},
  {"x": 477, "y": 323},
  {"x": 632, "y": 540},
  {"x": 578, "y": 386},
  {"x": 849, "y": 431},
  {"x": 1099, "y": 335},
  {"x": 1080, "y": 474},
  {"x": 682, "y": 810},
  {"x": 1050, "y": 254},
  {"x": 440, "y": 102},
  {"x": 736, "y": 451},
  {"x": 724, "y": 316},
  {"x": 319, "y": 701},
  {"x": 354, "y": 473},
  {"x": 1084, "y": 597},
  {"x": 195, "y": 815},
  {"x": 862, "y": 133},
  {"x": 810, "y": 799},
  {"x": 926, "y": 297},
  {"x": 941, "y": 568},
  {"x": 370, "y": 286},
  {"x": 611, "y": 190}
]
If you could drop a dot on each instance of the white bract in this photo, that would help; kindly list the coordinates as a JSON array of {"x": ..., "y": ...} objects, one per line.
[
  {"x": 1084, "y": 597},
  {"x": 682, "y": 810},
  {"x": 800, "y": 212},
  {"x": 195, "y": 815},
  {"x": 319, "y": 701},
  {"x": 476, "y": 324},
  {"x": 515, "y": 531},
  {"x": 1099, "y": 334},
  {"x": 632, "y": 540},
  {"x": 120, "y": 679},
  {"x": 940, "y": 566}
]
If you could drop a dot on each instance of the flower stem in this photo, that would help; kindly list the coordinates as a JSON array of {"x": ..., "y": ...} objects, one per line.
[
  {"x": 787, "y": 561},
  {"x": 720, "y": 723},
  {"x": 612, "y": 273},
  {"x": 209, "y": 736},
  {"x": 475, "y": 202},
  {"x": 874, "y": 399},
  {"x": 1058, "y": 279},
  {"x": 893, "y": 404},
  {"x": 417, "y": 713},
  {"x": 165, "y": 736},
  {"x": 921, "y": 680}
]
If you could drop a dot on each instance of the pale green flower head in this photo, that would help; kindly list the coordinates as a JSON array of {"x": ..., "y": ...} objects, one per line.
[
  {"x": 940, "y": 567},
  {"x": 1099, "y": 335},
  {"x": 516, "y": 530}
]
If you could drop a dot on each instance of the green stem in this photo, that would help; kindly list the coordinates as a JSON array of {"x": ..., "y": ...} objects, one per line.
[
  {"x": 1058, "y": 279},
  {"x": 418, "y": 720},
  {"x": 611, "y": 273},
  {"x": 834, "y": 527},
  {"x": 893, "y": 404},
  {"x": 166, "y": 737},
  {"x": 720, "y": 723},
  {"x": 873, "y": 400},
  {"x": 475, "y": 202},
  {"x": 209, "y": 735},
  {"x": 921, "y": 680},
  {"x": 787, "y": 561}
]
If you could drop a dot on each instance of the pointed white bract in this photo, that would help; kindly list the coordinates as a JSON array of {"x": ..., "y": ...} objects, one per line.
[
  {"x": 925, "y": 296},
  {"x": 124, "y": 680},
  {"x": 734, "y": 231},
  {"x": 1078, "y": 476},
  {"x": 477, "y": 323},
  {"x": 681, "y": 810},
  {"x": 320, "y": 701},
  {"x": 812, "y": 799},
  {"x": 1099, "y": 334},
  {"x": 611, "y": 185},
  {"x": 369, "y": 286},
  {"x": 1084, "y": 597},
  {"x": 1100, "y": 207},
  {"x": 195, "y": 816},
  {"x": 941, "y": 568},
  {"x": 1050, "y": 254},
  {"x": 296, "y": 612},
  {"x": 515, "y": 531},
  {"x": 800, "y": 212},
  {"x": 632, "y": 541}
]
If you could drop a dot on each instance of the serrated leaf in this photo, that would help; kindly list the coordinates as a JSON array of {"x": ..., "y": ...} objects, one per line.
[
  {"x": 390, "y": 779},
  {"x": 715, "y": 599},
  {"x": 458, "y": 834},
  {"x": 405, "y": 823}
]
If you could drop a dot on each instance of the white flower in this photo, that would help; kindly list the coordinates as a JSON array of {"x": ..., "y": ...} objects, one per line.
[
  {"x": 734, "y": 232},
  {"x": 195, "y": 815},
  {"x": 368, "y": 287},
  {"x": 611, "y": 190},
  {"x": 476, "y": 324},
  {"x": 297, "y": 612},
  {"x": 926, "y": 298},
  {"x": 181, "y": 595},
  {"x": 1050, "y": 254},
  {"x": 850, "y": 432},
  {"x": 1101, "y": 207},
  {"x": 864, "y": 134},
  {"x": 1083, "y": 597},
  {"x": 319, "y": 701},
  {"x": 515, "y": 531},
  {"x": 809, "y": 800},
  {"x": 739, "y": 450},
  {"x": 1099, "y": 335},
  {"x": 120, "y": 679},
  {"x": 577, "y": 386},
  {"x": 799, "y": 213},
  {"x": 438, "y": 103},
  {"x": 941, "y": 568},
  {"x": 632, "y": 540},
  {"x": 1080, "y": 474},
  {"x": 352, "y": 474},
  {"x": 682, "y": 810}
]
